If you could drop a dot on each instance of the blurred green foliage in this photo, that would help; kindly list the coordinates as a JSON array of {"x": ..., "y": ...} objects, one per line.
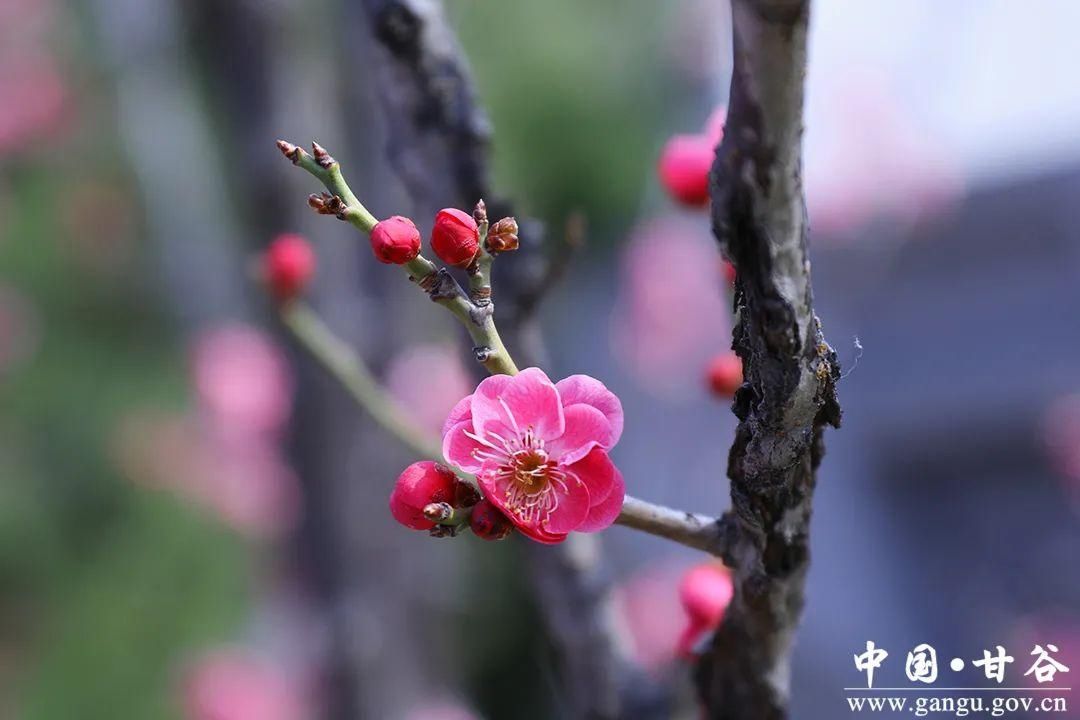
[
  {"x": 578, "y": 93},
  {"x": 105, "y": 583}
]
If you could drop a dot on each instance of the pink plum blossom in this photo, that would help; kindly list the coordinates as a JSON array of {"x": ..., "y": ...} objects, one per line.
[
  {"x": 539, "y": 451},
  {"x": 247, "y": 485},
  {"x": 649, "y": 616},
  {"x": 427, "y": 380},
  {"x": 871, "y": 160},
  {"x": 663, "y": 332},
  {"x": 243, "y": 381},
  {"x": 36, "y": 101},
  {"x": 233, "y": 684}
]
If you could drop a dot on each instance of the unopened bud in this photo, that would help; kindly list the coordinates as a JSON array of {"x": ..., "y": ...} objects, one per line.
[
  {"x": 320, "y": 203},
  {"x": 438, "y": 512},
  {"x": 288, "y": 266},
  {"x": 479, "y": 213},
  {"x": 290, "y": 151},
  {"x": 503, "y": 236},
  {"x": 725, "y": 374},
  {"x": 455, "y": 237},
  {"x": 322, "y": 157},
  {"x": 489, "y": 523},
  {"x": 420, "y": 486}
]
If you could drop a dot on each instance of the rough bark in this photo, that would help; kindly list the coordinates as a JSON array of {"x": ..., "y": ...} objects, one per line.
[{"x": 788, "y": 396}]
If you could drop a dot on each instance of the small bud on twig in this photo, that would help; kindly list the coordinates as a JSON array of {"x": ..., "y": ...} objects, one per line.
[
  {"x": 327, "y": 204},
  {"x": 438, "y": 512},
  {"x": 290, "y": 151},
  {"x": 479, "y": 213},
  {"x": 322, "y": 157},
  {"x": 321, "y": 203},
  {"x": 503, "y": 236}
]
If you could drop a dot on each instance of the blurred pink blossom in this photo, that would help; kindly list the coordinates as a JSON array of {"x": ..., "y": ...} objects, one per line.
[
  {"x": 242, "y": 380},
  {"x": 427, "y": 380},
  {"x": 24, "y": 23},
  {"x": 649, "y": 612},
  {"x": 35, "y": 102},
  {"x": 233, "y": 684},
  {"x": 441, "y": 710},
  {"x": 226, "y": 456},
  {"x": 248, "y": 486},
  {"x": 671, "y": 307},
  {"x": 705, "y": 592},
  {"x": 1060, "y": 429},
  {"x": 869, "y": 160}
]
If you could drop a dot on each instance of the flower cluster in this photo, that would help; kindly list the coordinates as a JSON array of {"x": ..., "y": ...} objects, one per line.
[{"x": 538, "y": 450}]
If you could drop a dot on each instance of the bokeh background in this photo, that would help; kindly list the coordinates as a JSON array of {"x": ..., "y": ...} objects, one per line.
[{"x": 192, "y": 516}]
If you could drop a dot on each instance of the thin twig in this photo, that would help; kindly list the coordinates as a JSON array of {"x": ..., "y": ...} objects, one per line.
[
  {"x": 353, "y": 374},
  {"x": 476, "y": 318},
  {"x": 695, "y": 531}
]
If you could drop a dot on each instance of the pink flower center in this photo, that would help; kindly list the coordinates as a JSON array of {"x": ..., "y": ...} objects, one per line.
[{"x": 523, "y": 468}]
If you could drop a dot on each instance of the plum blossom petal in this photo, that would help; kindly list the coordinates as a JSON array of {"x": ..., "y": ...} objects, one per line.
[
  {"x": 582, "y": 389},
  {"x": 460, "y": 448},
  {"x": 606, "y": 489},
  {"x": 573, "y": 507},
  {"x": 528, "y": 399},
  {"x": 461, "y": 412},
  {"x": 586, "y": 427}
]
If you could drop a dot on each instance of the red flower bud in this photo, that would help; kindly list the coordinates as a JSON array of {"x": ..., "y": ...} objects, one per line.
[
  {"x": 455, "y": 237},
  {"x": 730, "y": 273},
  {"x": 395, "y": 241},
  {"x": 725, "y": 374},
  {"x": 705, "y": 592},
  {"x": 488, "y": 523},
  {"x": 288, "y": 265},
  {"x": 418, "y": 486},
  {"x": 684, "y": 168}
]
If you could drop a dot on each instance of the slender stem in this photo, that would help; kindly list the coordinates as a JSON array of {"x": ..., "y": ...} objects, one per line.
[
  {"x": 696, "y": 531},
  {"x": 476, "y": 316},
  {"x": 328, "y": 172},
  {"x": 339, "y": 359}
]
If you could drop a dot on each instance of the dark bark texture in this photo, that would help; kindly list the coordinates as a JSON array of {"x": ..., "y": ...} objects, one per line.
[{"x": 788, "y": 397}]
